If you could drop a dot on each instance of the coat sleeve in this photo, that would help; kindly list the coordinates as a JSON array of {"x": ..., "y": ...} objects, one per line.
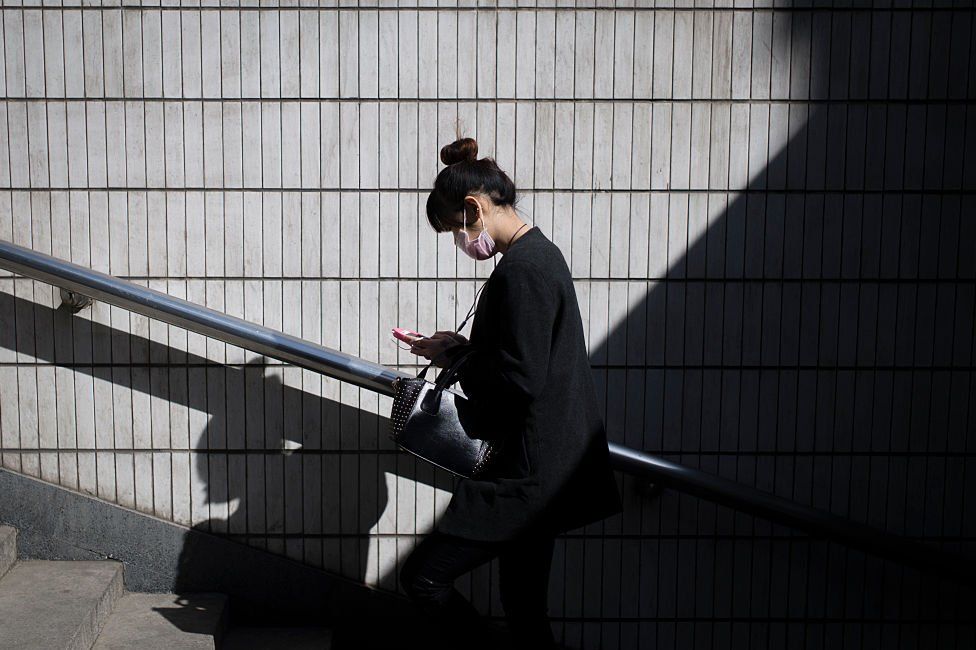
[{"x": 509, "y": 368}]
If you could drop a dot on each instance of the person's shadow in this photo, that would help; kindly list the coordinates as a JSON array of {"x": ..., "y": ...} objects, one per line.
[{"x": 288, "y": 470}]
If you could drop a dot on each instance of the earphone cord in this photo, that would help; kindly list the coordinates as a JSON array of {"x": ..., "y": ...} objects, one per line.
[
  {"x": 474, "y": 306},
  {"x": 471, "y": 312}
]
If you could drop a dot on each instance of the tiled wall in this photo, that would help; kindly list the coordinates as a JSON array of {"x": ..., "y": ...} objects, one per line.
[{"x": 769, "y": 213}]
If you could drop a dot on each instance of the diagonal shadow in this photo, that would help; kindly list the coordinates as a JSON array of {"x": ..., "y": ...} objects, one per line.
[{"x": 814, "y": 340}]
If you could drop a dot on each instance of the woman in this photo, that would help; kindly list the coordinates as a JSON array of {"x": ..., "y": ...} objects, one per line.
[{"x": 529, "y": 381}]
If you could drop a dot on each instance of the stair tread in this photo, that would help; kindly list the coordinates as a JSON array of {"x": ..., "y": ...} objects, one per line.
[
  {"x": 163, "y": 622},
  {"x": 57, "y": 603},
  {"x": 278, "y": 638}
]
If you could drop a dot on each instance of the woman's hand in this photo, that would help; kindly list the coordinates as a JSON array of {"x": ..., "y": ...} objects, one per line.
[{"x": 433, "y": 347}]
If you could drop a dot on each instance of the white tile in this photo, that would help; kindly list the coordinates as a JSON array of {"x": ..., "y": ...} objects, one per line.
[
  {"x": 213, "y": 233},
  {"x": 781, "y": 51},
  {"x": 271, "y": 237},
  {"x": 194, "y": 144},
  {"x": 14, "y": 53},
  {"x": 132, "y": 53},
  {"x": 33, "y": 40},
  {"x": 579, "y": 258},
  {"x": 172, "y": 144},
  {"x": 350, "y": 125},
  {"x": 525, "y": 138},
  {"x": 348, "y": 54},
  {"x": 57, "y": 144},
  {"x": 758, "y": 144},
  {"x": 125, "y": 480},
  {"x": 170, "y": 56},
  {"x": 271, "y": 145},
  {"x": 230, "y": 165},
  {"x": 233, "y": 234},
  {"x": 154, "y": 156},
  {"x": 291, "y": 237},
  {"x": 468, "y": 60},
  {"x": 388, "y": 145},
  {"x": 152, "y": 53},
  {"x": 543, "y": 149},
  {"x": 364, "y": 39},
  {"x": 488, "y": 64},
  {"x": 369, "y": 145},
  {"x": 253, "y": 244},
  {"x": 329, "y": 54},
  {"x": 309, "y": 45},
  {"x": 251, "y": 43},
  {"x": 37, "y": 145},
  {"x": 644, "y": 34},
  {"x": 186, "y": 231},
  {"x": 181, "y": 488},
  {"x": 213, "y": 140},
  {"x": 211, "y": 66},
  {"x": 583, "y": 145},
  {"x": 292, "y": 69},
  {"x": 17, "y": 130},
  {"x": 526, "y": 31},
  {"x": 251, "y": 126},
  {"x": 192, "y": 54},
  {"x": 762, "y": 41},
  {"x": 699, "y": 161},
  {"x": 54, "y": 55},
  {"x": 329, "y": 147},
  {"x": 230, "y": 55}
]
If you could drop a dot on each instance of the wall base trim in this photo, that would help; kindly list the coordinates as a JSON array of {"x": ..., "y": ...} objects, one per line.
[{"x": 56, "y": 523}]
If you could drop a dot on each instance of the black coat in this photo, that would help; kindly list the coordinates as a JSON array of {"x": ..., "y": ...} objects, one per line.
[{"x": 530, "y": 383}]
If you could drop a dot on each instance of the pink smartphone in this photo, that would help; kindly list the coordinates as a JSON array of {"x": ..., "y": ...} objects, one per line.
[{"x": 408, "y": 336}]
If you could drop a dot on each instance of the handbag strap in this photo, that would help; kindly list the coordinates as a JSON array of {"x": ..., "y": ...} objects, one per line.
[
  {"x": 471, "y": 312},
  {"x": 455, "y": 364},
  {"x": 444, "y": 379},
  {"x": 430, "y": 404}
]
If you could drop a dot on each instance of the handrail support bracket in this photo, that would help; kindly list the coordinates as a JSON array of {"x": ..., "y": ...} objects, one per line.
[{"x": 74, "y": 301}]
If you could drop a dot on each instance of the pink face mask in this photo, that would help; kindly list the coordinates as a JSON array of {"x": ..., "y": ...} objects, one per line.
[{"x": 480, "y": 248}]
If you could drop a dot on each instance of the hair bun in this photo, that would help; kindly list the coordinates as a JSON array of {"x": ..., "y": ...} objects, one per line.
[{"x": 459, "y": 151}]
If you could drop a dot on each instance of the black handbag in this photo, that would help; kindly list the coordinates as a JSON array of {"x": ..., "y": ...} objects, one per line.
[{"x": 432, "y": 422}]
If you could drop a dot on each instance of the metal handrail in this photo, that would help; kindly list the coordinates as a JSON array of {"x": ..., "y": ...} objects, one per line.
[{"x": 379, "y": 378}]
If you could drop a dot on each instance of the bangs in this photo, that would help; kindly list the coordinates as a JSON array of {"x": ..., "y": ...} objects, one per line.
[{"x": 441, "y": 216}]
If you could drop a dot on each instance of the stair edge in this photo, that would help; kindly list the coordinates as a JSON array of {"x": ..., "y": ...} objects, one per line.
[{"x": 87, "y": 633}]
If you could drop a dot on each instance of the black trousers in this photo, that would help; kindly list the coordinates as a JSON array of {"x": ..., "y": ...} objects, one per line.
[{"x": 429, "y": 572}]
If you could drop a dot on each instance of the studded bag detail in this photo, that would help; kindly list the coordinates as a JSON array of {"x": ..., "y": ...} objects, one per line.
[{"x": 433, "y": 422}]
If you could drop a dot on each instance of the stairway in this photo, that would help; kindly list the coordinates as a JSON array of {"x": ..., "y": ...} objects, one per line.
[{"x": 83, "y": 605}]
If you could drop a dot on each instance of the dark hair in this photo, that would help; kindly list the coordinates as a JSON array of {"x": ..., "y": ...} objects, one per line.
[{"x": 465, "y": 174}]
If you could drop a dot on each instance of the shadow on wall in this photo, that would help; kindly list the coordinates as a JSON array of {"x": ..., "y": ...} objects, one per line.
[
  {"x": 244, "y": 485},
  {"x": 816, "y": 341},
  {"x": 271, "y": 470}
]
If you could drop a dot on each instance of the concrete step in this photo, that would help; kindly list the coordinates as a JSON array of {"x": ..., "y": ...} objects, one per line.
[
  {"x": 56, "y": 604},
  {"x": 278, "y": 638},
  {"x": 8, "y": 548},
  {"x": 164, "y": 622}
]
